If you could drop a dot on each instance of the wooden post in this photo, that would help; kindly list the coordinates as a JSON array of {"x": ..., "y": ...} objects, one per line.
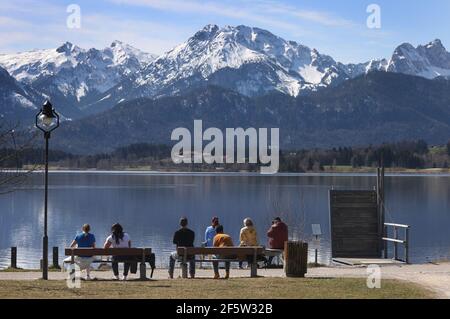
[
  {"x": 383, "y": 220},
  {"x": 184, "y": 270},
  {"x": 381, "y": 210},
  {"x": 184, "y": 266},
  {"x": 316, "y": 252},
  {"x": 295, "y": 258},
  {"x": 72, "y": 272},
  {"x": 407, "y": 245},
  {"x": 56, "y": 258},
  {"x": 14, "y": 257},
  {"x": 142, "y": 270},
  {"x": 378, "y": 187},
  {"x": 254, "y": 265},
  {"x": 396, "y": 244}
]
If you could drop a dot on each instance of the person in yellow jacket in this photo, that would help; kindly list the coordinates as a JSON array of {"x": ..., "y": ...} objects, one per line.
[{"x": 248, "y": 236}]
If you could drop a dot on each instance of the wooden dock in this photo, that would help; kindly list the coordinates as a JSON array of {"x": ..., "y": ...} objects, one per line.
[{"x": 366, "y": 261}]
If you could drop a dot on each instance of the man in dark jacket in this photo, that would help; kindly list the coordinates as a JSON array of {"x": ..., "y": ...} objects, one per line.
[
  {"x": 278, "y": 235},
  {"x": 184, "y": 237}
]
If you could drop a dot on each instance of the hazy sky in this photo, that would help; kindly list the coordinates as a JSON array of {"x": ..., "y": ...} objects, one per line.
[{"x": 337, "y": 28}]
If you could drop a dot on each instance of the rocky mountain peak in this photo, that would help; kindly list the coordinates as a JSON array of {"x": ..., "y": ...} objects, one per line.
[
  {"x": 207, "y": 32},
  {"x": 68, "y": 48}
]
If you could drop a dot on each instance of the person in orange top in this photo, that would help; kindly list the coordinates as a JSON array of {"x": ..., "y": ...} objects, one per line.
[{"x": 222, "y": 240}]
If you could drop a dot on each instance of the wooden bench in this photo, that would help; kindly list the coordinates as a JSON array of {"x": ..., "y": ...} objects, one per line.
[
  {"x": 226, "y": 254},
  {"x": 139, "y": 253}
]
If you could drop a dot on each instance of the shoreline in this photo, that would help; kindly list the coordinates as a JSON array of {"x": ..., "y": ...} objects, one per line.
[{"x": 137, "y": 171}]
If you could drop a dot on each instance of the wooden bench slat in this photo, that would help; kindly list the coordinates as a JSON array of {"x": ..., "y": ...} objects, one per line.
[
  {"x": 89, "y": 252},
  {"x": 232, "y": 251},
  {"x": 218, "y": 260}
]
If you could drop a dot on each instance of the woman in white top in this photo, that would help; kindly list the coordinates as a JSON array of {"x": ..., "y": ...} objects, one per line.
[{"x": 119, "y": 239}]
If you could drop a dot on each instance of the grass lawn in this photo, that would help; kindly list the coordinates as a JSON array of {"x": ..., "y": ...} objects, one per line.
[
  {"x": 50, "y": 269},
  {"x": 245, "y": 288}
]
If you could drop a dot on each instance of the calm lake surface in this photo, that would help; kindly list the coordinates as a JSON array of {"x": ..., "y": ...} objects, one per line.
[{"x": 149, "y": 205}]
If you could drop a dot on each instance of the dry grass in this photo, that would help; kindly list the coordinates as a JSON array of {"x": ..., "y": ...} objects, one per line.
[
  {"x": 9, "y": 269},
  {"x": 240, "y": 288}
]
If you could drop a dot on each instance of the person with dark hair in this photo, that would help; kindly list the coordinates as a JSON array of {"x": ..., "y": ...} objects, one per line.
[
  {"x": 211, "y": 232},
  {"x": 84, "y": 240},
  {"x": 221, "y": 240},
  {"x": 278, "y": 235},
  {"x": 184, "y": 237},
  {"x": 119, "y": 239}
]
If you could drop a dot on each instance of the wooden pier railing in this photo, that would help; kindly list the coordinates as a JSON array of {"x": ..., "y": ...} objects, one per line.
[{"x": 396, "y": 240}]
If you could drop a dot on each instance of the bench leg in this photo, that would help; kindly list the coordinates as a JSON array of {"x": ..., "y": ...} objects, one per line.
[
  {"x": 72, "y": 265},
  {"x": 184, "y": 270},
  {"x": 254, "y": 270},
  {"x": 142, "y": 271}
]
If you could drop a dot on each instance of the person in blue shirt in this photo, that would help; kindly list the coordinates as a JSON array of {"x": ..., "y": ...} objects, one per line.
[
  {"x": 211, "y": 232},
  {"x": 84, "y": 240}
]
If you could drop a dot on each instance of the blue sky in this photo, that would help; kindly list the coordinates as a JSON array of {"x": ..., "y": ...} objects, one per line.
[{"x": 337, "y": 28}]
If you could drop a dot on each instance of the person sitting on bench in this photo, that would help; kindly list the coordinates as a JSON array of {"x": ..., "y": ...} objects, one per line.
[
  {"x": 278, "y": 235},
  {"x": 248, "y": 236},
  {"x": 119, "y": 239},
  {"x": 184, "y": 237},
  {"x": 222, "y": 240},
  {"x": 210, "y": 232},
  {"x": 84, "y": 240}
]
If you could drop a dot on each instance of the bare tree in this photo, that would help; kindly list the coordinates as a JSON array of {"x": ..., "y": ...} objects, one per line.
[
  {"x": 292, "y": 212},
  {"x": 13, "y": 145}
]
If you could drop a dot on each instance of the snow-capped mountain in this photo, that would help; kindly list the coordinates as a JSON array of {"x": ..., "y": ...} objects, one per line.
[
  {"x": 290, "y": 67},
  {"x": 248, "y": 60},
  {"x": 72, "y": 76},
  {"x": 254, "y": 62},
  {"x": 355, "y": 70},
  {"x": 428, "y": 61},
  {"x": 16, "y": 98}
]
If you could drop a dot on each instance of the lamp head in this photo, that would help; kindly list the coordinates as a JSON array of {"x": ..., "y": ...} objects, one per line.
[
  {"x": 47, "y": 109},
  {"x": 47, "y": 119}
]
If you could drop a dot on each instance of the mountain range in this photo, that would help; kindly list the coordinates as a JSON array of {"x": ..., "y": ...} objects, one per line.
[
  {"x": 73, "y": 77},
  {"x": 371, "y": 109},
  {"x": 246, "y": 65}
]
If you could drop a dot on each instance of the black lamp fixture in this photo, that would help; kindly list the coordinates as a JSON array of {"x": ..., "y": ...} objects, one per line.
[{"x": 47, "y": 120}]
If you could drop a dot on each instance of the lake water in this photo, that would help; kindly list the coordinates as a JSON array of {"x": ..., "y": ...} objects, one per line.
[{"x": 149, "y": 205}]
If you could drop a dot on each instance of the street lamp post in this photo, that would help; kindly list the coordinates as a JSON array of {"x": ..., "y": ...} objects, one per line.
[{"x": 47, "y": 120}]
